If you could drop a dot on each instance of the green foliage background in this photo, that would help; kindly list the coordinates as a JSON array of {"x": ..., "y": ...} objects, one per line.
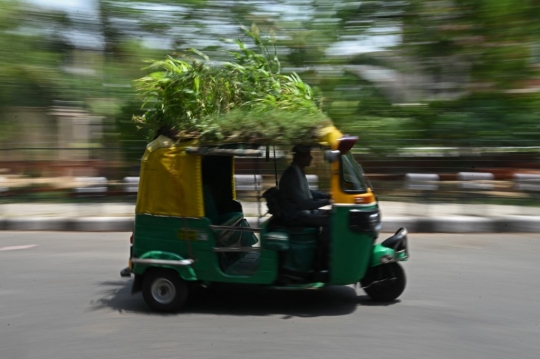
[{"x": 474, "y": 66}]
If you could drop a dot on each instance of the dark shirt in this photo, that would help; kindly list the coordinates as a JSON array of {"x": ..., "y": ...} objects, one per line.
[{"x": 295, "y": 195}]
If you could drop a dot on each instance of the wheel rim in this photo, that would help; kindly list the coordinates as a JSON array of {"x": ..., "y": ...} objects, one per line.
[{"x": 163, "y": 291}]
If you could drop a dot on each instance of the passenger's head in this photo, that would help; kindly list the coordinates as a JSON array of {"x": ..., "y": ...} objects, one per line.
[{"x": 302, "y": 155}]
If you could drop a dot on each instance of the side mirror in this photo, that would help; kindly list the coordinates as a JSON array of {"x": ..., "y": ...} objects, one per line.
[{"x": 332, "y": 156}]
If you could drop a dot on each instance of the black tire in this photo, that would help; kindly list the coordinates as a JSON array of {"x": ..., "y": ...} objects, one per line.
[
  {"x": 164, "y": 291},
  {"x": 387, "y": 290}
]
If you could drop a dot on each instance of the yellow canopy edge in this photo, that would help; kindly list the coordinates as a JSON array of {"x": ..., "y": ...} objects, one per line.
[
  {"x": 329, "y": 136},
  {"x": 170, "y": 180}
]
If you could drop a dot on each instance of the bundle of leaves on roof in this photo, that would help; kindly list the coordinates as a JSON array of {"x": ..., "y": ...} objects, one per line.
[{"x": 245, "y": 100}]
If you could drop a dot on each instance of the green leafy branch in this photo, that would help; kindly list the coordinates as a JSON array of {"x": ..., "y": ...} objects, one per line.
[{"x": 247, "y": 99}]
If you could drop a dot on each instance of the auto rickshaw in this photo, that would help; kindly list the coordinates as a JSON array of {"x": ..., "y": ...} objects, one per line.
[{"x": 190, "y": 230}]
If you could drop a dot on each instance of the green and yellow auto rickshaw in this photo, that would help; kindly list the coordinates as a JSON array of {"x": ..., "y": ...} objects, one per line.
[{"x": 190, "y": 230}]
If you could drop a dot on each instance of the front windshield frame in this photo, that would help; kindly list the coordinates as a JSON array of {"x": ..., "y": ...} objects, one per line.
[{"x": 352, "y": 178}]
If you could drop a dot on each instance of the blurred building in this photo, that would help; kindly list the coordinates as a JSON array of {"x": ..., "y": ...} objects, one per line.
[{"x": 57, "y": 141}]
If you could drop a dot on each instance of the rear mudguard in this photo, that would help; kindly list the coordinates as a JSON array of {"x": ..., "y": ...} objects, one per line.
[
  {"x": 159, "y": 259},
  {"x": 392, "y": 249}
]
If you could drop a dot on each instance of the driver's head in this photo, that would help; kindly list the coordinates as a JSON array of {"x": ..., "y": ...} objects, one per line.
[{"x": 302, "y": 155}]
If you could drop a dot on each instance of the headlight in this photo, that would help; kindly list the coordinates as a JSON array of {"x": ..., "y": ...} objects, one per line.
[{"x": 387, "y": 259}]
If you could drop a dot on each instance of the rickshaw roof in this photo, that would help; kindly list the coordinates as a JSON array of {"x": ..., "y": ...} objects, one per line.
[{"x": 327, "y": 137}]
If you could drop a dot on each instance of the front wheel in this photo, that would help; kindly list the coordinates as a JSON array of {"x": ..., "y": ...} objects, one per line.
[
  {"x": 386, "y": 283},
  {"x": 164, "y": 291}
]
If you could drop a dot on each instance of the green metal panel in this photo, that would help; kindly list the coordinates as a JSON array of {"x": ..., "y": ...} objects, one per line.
[
  {"x": 350, "y": 251},
  {"x": 192, "y": 238},
  {"x": 302, "y": 250},
  {"x": 275, "y": 240},
  {"x": 182, "y": 236},
  {"x": 378, "y": 252}
]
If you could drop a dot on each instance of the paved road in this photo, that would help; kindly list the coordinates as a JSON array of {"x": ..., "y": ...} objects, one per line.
[{"x": 469, "y": 296}]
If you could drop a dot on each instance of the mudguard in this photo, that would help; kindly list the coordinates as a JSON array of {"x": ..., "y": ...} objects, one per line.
[
  {"x": 392, "y": 249},
  {"x": 164, "y": 260}
]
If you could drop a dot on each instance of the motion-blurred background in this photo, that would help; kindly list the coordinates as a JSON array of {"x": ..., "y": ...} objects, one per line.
[{"x": 447, "y": 88}]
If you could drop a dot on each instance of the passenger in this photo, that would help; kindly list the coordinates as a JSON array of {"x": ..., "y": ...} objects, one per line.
[{"x": 299, "y": 205}]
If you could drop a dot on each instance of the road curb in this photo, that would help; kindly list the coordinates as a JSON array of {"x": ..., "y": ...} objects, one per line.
[
  {"x": 443, "y": 224},
  {"x": 526, "y": 224},
  {"x": 103, "y": 224},
  {"x": 36, "y": 224},
  {"x": 464, "y": 224},
  {"x": 83, "y": 224}
]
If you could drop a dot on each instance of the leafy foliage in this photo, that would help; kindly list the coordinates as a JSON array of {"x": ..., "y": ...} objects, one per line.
[
  {"x": 485, "y": 44},
  {"x": 247, "y": 99}
]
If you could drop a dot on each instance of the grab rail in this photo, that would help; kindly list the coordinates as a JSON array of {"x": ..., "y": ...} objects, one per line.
[
  {"x": 168, "y": 262},
  {"x": 233, "y": 228},
  {"x": 237, "y": 249}
]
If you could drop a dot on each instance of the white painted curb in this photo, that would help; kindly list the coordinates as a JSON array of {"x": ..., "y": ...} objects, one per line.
[{"x": 445, "y": 224}]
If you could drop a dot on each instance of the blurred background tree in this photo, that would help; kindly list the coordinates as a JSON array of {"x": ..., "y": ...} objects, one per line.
[
  {"x": 481, "y": 59},
  {"x": 399, "y": 73}
]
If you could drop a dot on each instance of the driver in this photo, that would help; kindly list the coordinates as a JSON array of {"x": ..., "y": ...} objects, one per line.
[{"x": 299, "y": 205}]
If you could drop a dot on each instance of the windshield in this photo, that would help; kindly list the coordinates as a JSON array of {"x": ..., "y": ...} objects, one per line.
[{"x": 352, "y": 175}]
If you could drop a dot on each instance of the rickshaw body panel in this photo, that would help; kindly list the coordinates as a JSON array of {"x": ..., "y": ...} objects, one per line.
[
  {"x": 350, "y": 251},
  {"x": 193, "y": 238}
]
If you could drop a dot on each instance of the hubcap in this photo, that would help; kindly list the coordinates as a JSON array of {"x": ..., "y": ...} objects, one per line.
[{"x": 163, "y": 291}]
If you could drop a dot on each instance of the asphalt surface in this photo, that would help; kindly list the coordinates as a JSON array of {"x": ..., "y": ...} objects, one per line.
[{"x": 468, "y": 296}]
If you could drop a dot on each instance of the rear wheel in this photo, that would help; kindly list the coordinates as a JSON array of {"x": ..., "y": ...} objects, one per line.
[
  {"x": 164, "y": 291},
  {"x": 387, "y": 282}
]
